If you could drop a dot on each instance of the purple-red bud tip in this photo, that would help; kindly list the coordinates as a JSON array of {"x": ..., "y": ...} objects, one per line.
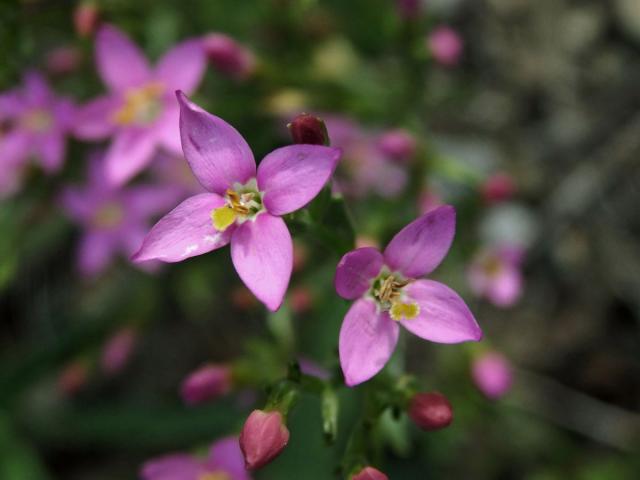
[
  {"x": 228, "y": 56},
  {"x": 308, "y": 129},
  {"x": 430, "y": 411},
  {"x": 264, "y": 435},
  {"x": 206, "y": 383},
  {"x": 86, "y": 18},
  {"x": 369, "y": 473}
]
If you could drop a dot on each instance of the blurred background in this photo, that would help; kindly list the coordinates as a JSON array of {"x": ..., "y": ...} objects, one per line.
[{"x": 523, "y": 114}]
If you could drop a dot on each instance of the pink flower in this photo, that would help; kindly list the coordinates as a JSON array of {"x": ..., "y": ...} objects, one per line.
[
  {"x": 244, "y": 206},
  {"x": 445, "y": 45},
  {"x": 495, "y": 274},
  {"x": 491, "y": 372},
  {"x": 139, "y": 111},
  {"x": 113, "y": 220},
  {"x": 398, "y": 145},
  {"x": 223, "y": 463},
  {"x": 264, "y": 436},
  {"x": 206, "y": 383},
  {"x": 228, "y": 56},
  {"x": 388, "y": 293},
  {"x": 369, "y": 473},
  {"x": 117, "y": 350},
  {"x": 430, "y": 411},
  {"x": 35, "y": 123}
]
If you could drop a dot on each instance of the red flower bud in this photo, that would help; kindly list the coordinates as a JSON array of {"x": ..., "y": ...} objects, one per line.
[
  {"x": 370, "y": 473},
  {"x": 228, "y": 56},
  {"x": 206, "y": 383},
  {"x": 430, "y": 411},
  {"x": 264, "y": 435},
  {"x": 308, "y": 129},
  {"x": 498, "y": 187},
  {"x": 85, "y": 18},
  {"x": 397, "y": 144}
]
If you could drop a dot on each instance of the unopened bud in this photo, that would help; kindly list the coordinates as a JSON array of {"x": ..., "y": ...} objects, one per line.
[
  {"x": 63, "y": 60},
  {"x": 228, "y": 56},
  {"x": 498, "y": 187},
  {"x": 263, "y": 437},
  {"x": 369, "y": 473},
  {"x": 398, "y": 145},
  {"x": 117, "y": 350},
  {"x": 85, "y": 18},
  {"x": 206, "y": 383},
  {"x": 430, "y": 411},
  {"x": 445, "y": 45},
  {"x": 308, "y": 129},
  {"x": 73, "y": 377},
  {"x": 408, "y": 9},
  {"x": 491, "y": 372}
]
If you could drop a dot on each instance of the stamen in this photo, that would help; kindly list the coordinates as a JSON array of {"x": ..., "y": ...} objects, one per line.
[{"x": 407, "y": 310}]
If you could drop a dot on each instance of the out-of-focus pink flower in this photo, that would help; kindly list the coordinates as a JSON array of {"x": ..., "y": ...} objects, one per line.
[
  {"x": 430, "y": 411},
  {"x": 309, "y": 367},
  {"x": 140, "y": 110},
  {"x": 114, "y": 220},
  {"x": 398, "y": 144},
  {"x": 300, "y": 299},
  {"x": 445, "y": 44},
  {"x": 245, "y": 205},
  {"x": 228, "y": 56},
  {"x": 364, "y": 169},
  {"x": 498, "y": 188},
  {"x": 63, "y": 60},
  {"x": 388, "y": 291},
  {"x": 73, "y": 377},
  {"x": 495, "y": 274},
  {"x": 35, "y": 123},
  {"x": 309, "y": 129},
  {"x": 409, "y": 9},
  {"x": 205, "y": 384},
  {"x": 428, "y": 200},
  {"x": 369, "y": 473},
  {"x": 117, "y": 351},
  {"x": 492, "y": 374},
  {"x": 85, "y": 18},
  {"x": 224, "y": 462},
  {"x": 264, "y": 436},
  {"x": 173, "y": 171}
]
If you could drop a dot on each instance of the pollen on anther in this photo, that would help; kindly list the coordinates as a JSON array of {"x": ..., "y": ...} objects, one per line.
[
  {"x": 222, "y": 217},
  {"x": 404, "y": 311}
]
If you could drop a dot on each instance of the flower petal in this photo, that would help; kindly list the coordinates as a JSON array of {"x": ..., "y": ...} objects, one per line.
[
  {"x": 95, "y": 252},
  {"x": 419, "y": 247},
  {"x": 356, "y": 270},
  {"x": 505, "y": 289},
  {"x": 262, "y": 252},
  {"x": 36, "y": 90},
  {"x": 292, "y": 176},
  {"x": 367, "y": 341},
  {"x": 216, "y": 152},
  {"x": 132, "y": 149},
  {"x": 52, "y": 148},
  {"x": 93, "y": 121},
  {"x": 182, "y": 67},
  {"x": 120, "y": 63},
  {"x": 227, "y": 457},
  {"x": 184, "y": 232},
  {"x": 175, "y": 466},
  {"x": 168, "y": 128},
  {"x": 443, "y": 317}
]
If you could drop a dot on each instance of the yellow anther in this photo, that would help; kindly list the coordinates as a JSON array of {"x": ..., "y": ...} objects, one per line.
[
  {"x": 406, "y": 311},
  {"x": 223, "y": 217}
]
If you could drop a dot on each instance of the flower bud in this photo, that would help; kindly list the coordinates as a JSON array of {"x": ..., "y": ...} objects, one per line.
[
  {"x": 63, "y": 60},
  {"x": 498, "y": 187},
  {"x": 308, "y": 129},
  {"x": 85, "y": 18},
  {"x": 369, "y": 473},
  {"x": 491, "y": 372},
  {"x": 264, "y": 435},
  {"x": 117, "y": 350},
  {"x": 430, "y": 411},
  {"x": 73, "y": 377},
  {"x": 397, "y": 144},
  {"x": 445, "y": 45},
  {"x": 206, "y": 383},
  {"x": 228, "y": 56}
]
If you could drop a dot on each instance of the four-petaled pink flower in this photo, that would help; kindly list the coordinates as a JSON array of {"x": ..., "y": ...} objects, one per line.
[
  {"x": 140, "y": 110},
  {"x": 244, "y": 205},
  {"x": 495, "y": 274},
  {"x": 388, "y": 293},
  {"x": 225, "y": 462},
  {"x": 35, "y": 123},
  {"x": 114, "y": 220}
]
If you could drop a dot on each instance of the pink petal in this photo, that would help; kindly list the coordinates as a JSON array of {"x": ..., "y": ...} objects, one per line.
[
  {"x": 226, "y": 456},
  {"x": 93, "y": 121},
  {"x": 184, "y": 232},
  {"x": 356, "y": 270},
  {"x": 75, "y": 204},
  {"x": 444, "y": 317},
  {"x": 367, "y": 341},
  {"x": 419, "y": 247},
  {"x": 95, "y": 252},
  {"x": 36, "y": 90},
  {"x": 132, "y": 149},
  {"x": 120, "y": 63},
  {"x": 178, "y": 466},
  {"x": 262, "y": 252},
  {"x": 216, "y": 152},
  {"x": 292, "y": 176},
  {"x": 168, "y": 128},
  {"x": 505, "y": 288},
  {"x": 52, "y": 148},
  {"x": 182, "y": 67}
]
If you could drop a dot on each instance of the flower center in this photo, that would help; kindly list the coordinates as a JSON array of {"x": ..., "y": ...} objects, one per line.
[
  {"x": 141, "y": 105},
  {"x": 109, "y": 215},
  {"x": 387, "y": 291},
  {"x": 492, "y": 266},
  {"x": 242, "y": 203},
  {"x": 37, "y": 120},
  {"x": 216, "y": 475}
]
